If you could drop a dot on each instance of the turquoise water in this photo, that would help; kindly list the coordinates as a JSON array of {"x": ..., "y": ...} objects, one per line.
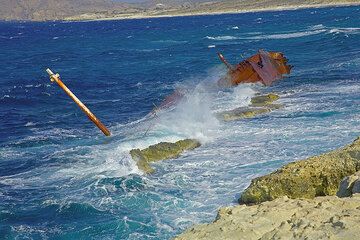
[{"x": 61, "y": 179}]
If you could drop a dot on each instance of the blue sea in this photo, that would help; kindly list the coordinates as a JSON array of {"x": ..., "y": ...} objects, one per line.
[{"x": 60, "y": 178}]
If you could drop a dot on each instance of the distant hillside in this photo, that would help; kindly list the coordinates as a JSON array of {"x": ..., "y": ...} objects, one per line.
[
  {"x": 39, "y": 10},
  {"x": 54, "y": 9}
]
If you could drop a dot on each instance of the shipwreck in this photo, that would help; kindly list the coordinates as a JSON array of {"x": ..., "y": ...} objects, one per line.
[{"x": 264, "y": 67}]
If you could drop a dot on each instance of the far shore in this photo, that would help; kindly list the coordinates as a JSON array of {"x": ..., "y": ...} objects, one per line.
[{"x": 94, "y": 17}]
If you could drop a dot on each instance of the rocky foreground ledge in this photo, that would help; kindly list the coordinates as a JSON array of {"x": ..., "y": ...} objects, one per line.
[
  {"x": 291, "y": 203},
  {"x": 320, "y": 218}
]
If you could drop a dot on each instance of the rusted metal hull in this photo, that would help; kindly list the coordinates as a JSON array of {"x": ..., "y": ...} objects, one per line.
[{"x": 264, "y": 67}]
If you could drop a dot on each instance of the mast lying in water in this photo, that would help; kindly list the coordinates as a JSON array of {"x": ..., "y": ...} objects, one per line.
[{"x": 92, "y": 117}]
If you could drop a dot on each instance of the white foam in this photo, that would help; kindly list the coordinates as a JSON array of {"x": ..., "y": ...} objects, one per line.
[
  {"x": 312, "y": 30},
  {"x": 221, "y": 38},
  {"x": 233, "y": 98},
  {"x": 29, "y": 124},
  {"x": 192, "y": 118},
  {"x": 287, "y": 35},
  {"x": 345, "y": 30}
]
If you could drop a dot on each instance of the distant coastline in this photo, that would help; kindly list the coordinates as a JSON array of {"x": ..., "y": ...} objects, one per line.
[{"x": 95, "y": 17}]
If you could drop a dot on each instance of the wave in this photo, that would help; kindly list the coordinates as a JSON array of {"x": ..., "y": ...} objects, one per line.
[
  {"x": 287, "y": 35},
  {"x": 312, "y": 30},
  {"x": 345, "y": 30},
  {"x": 221, "y": 38},
  {"x": 270, "y": 36}
]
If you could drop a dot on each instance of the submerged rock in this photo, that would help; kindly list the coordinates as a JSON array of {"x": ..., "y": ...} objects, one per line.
[
  {"x": 315, "y": 176},
  {"x": 264, "y": 100},
  {"x": 327, "y": 217},
  {"x": 259, "y": 105},
  {"x": 244, "y": 112},
  {"x": 161, "y": 151}
]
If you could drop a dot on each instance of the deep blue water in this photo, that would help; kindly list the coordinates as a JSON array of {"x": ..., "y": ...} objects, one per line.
[{"x": 61, "y": 179}]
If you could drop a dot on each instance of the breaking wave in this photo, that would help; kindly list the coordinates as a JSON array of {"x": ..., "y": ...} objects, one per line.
[
  {"x": 221, "y": 38},
  {"x": 313, "y": 30}
]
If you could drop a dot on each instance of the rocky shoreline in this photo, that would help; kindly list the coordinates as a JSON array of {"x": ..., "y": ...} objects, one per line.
[{"x": 293, "y": 202}]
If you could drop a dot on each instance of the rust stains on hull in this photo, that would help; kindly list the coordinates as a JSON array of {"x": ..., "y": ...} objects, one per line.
[{"x": 264, "y": 67}]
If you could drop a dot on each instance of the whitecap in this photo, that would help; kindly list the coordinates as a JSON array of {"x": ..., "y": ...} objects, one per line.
[
  {"x": 28, "y": 124},
  {"x": 352, "y": 30},
  {"x": 287, "y": 35},
  {"x": 221, "y": 38},
  {"x": 317, "y": 27},
  {"x": 211, "y": 46}
]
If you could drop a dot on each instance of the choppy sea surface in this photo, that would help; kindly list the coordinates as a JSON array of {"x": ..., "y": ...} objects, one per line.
[{"x": 61, "y": 179}]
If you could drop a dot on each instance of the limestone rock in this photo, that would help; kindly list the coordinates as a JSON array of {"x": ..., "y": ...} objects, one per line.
[
  {"x": 259, "y": 105},
  {"x": 327, "y": 217},
  {"x": 241, "y": 113},
  {"x": 349, "y": 185},
  {"x": 264, "y": 100},
  {"x": 161, "y": 151},
  {"x": 315, "y": 176}
]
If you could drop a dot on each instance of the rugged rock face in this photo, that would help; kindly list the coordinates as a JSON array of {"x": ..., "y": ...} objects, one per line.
[
  {"x": 259, "y": 105},
  {"x": 315, "y": 176},
  {"x": 161, "y": 151},
  {"x": 328, "y": 217},
  {"x": 349, "y": 185},
  {"x": 320, "y": 218}
]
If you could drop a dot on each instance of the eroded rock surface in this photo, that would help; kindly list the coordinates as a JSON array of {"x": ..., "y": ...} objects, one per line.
[
  {"x": 349, "y": 185},
  {"x": 264, "y": 100},
  {"x": 161, "y": 151},
  {"x": 315, "y": 176},
  {"x": 327, "y": 217},
  {"x": 259, "y": 105}
]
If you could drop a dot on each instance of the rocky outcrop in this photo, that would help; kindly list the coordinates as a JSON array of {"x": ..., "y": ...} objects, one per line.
[
  {"x": 315, "y": 176},
  {"x": 327, "y": 217},
  {"x": 349, "y": 185},
  {"x": 259, "y": 105},
  {"x": 264, "y": 100},
  {"x": 161, "y": 151},
  {"x": 309, "y": 216}
]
